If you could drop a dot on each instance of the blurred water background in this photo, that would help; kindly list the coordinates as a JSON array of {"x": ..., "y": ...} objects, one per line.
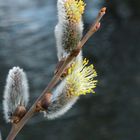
[{"x": 27, "y": 40}]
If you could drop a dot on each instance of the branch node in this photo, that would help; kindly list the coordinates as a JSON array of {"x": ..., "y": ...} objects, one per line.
[
  {"x": 18, "y": 114},
  {"x": 43, "y": 103},
  {"x": 102, "y": 11}
]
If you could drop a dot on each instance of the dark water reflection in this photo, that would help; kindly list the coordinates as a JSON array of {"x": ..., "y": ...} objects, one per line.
[{"x": 27, "y": 40}]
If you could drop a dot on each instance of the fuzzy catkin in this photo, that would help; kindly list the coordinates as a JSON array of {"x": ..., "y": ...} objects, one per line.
[
  {"x": 67, "y": 32},
  {"x": 15, "y": 93},
  {"x": 79, "y": 81},
  {"x": 60, "y": 102}
]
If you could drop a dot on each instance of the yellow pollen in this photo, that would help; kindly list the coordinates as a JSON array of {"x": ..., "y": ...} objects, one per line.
[
  {"x": 80, "y": 80},
  {"x": 74, "y": 10}
]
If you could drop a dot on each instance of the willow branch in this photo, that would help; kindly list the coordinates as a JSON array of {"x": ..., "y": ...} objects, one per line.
[{"x": 96, "y": 25}]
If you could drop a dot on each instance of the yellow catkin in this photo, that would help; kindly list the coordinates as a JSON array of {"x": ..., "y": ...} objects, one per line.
[
  {"x": 80, "y": 80},
  {"x": 74, "y": 10}
]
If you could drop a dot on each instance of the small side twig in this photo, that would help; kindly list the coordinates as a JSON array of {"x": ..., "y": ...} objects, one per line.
[
  {"x": 94, "y": 28},
  {"x": 17, "y": 127}
]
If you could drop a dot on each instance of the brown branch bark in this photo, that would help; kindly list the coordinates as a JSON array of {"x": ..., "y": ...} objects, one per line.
[{"x": 17, "y": 127}]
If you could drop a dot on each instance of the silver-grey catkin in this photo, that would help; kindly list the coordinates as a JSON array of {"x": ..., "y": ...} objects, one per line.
[
  {"x": 16, "y": 92},
  {"x": 66, "y": 42},
  {"x": 60, "y": 102}
]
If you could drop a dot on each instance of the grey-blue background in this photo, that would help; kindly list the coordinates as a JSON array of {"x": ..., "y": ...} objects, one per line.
[{"x": 27, "y": 40}]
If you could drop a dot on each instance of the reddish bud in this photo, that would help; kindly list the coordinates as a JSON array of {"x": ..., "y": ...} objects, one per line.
[
  {"x": 18, "y": 114},
  {"x": 44, "y": 103}
]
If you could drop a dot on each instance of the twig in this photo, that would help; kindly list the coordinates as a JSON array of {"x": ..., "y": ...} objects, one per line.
[
  {"x": 95, "y": 26},
  {"x": 17, "y": 127}
]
